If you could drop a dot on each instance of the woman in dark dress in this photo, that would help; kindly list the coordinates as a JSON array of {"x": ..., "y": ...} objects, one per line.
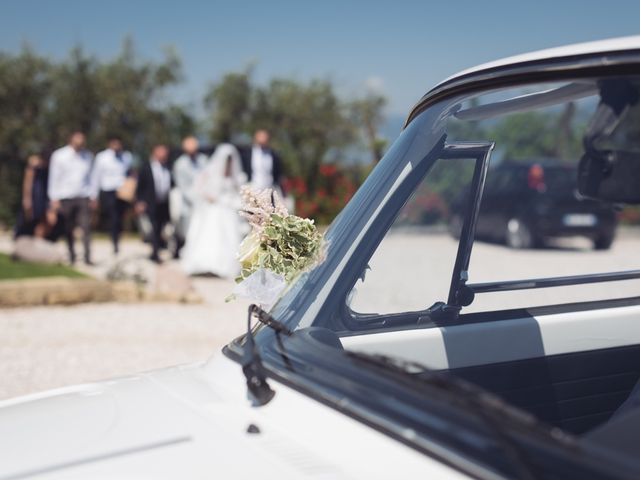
[{"x": 33, "y": 219}]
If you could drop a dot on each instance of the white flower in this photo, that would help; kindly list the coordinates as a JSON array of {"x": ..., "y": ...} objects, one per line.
[{"x": 249, "y": 250}]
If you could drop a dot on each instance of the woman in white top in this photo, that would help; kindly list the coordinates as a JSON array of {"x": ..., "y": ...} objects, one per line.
[{"x": 215, "y": 229}]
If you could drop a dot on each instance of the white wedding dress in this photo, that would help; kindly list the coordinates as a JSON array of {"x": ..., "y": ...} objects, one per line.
[{"x": 216, "y": 230}]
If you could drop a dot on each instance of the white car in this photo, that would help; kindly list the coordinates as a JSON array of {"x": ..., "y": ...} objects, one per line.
[{"x": 406, "y": 353}]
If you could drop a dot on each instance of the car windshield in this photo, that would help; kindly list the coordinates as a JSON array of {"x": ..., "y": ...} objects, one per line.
[{"x": 540, "y": 134}]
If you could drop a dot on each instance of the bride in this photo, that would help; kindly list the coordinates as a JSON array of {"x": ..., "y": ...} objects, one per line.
[{"x": 215, "y": 229}]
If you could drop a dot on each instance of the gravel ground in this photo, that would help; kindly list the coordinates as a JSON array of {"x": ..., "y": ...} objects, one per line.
[
  {"x": 46, "y": 347},
  {"x": 422, "y": 262},
  {"x": 42, "y": 348}
]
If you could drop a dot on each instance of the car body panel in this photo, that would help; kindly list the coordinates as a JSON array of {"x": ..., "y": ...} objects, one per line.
[{"x": 191, "y": 422}]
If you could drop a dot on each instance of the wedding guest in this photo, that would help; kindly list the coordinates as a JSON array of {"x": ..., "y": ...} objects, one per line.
[
  {"x": 70, "y": 191},
  {"x": 185, "y": 170},
  {"x": 111, "y": 169},
  {"x": 32, "y": 219},
  {"x": 152, "y": 195},
  {"x": 262, "y": 164}
]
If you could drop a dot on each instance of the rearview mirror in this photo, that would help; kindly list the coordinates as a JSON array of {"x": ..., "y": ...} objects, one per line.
[{"x": 612, "y": 176}]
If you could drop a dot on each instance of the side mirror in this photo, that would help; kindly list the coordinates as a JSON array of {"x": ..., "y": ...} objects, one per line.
[{"x": 611, "y": 176}]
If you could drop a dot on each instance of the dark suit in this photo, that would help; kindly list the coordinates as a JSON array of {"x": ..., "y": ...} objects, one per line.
[
  {"x": 157, "y": 210},
  {"x": 276, "y": 170}
]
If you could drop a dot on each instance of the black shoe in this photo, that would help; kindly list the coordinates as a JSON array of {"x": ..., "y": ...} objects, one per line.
[
  {"x": 155, "y": 259},
  {"x": 89, "y": 263}
]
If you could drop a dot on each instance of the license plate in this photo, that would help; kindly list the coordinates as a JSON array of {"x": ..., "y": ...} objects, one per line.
[{"x": 579, "y": 220}]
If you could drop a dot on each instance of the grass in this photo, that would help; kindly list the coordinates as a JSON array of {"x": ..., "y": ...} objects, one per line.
[{"x": 15, "y": 269}]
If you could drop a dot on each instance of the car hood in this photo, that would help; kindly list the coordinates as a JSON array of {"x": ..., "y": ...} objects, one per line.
[{"x": 174, "y": 423}]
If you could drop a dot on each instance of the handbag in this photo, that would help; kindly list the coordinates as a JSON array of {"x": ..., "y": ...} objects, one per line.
[{"x": 127, "y": 190}]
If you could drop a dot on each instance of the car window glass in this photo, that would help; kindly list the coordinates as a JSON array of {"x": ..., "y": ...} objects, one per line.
[
  {"x": 411, "y": 268},
  {"x": 533, "y": 223}
]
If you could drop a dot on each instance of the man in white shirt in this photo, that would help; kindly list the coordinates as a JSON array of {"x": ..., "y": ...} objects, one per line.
[
  {"x": 71, "y": 193},
  {"x": 262, "y": 164},
  {"x": 112, "y": 167},
  {"x": 152, "y": 195},
  {"x": 185, "y": 169}
]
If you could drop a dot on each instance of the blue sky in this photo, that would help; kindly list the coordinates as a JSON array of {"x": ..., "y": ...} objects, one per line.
[{"x": 400, "y": 47}]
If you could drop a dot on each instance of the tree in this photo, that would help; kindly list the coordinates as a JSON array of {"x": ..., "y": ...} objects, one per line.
[
  {"x": 25, "y": 84},
  {"x": 133, "y": 104},
  {"x": 524, "y": 136},
  {"x": 567, "y": 143},
  {"x": 24, "y": 88},
  {"x": 76, "y": 96},
  {"x": 230, "y": 102},
  {"x": 368, "y": 115}
]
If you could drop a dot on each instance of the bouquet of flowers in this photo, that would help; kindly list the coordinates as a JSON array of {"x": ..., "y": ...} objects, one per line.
[{"x": 279, "y": 247}]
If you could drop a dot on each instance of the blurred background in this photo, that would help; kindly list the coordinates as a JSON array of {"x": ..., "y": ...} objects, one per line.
[{"x": 332, "y": 82}]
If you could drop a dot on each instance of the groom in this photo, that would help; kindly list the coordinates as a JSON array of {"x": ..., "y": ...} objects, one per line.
[
  {"x": 152, "y": 195},
  {"x": 261, "y": 164}
]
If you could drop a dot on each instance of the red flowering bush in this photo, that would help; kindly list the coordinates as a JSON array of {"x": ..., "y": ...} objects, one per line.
[
  {"x": 425, "y": 208},
  {"x": 332, "y": 190},
  {"x": 630, "y": 215}
]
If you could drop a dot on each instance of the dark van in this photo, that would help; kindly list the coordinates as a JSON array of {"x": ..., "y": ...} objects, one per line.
[{"x": 526, "y": 202}]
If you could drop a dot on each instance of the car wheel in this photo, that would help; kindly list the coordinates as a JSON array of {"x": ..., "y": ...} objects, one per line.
[
  {"x": 455, "y": 226},
  {"x": 519, "y": 235},
  {"x": 603, "y": 242}
]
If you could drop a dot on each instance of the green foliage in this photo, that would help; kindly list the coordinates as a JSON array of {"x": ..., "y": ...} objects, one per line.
[
  {"x": 230, "y": 101},
  {"x": 25, "y": 84},
  {"x": 74, "y": 97},
  {"x": 287, "y": 246},
  {"x": 519, "y": 136},
  {"x": 368, "y": 115},
  {"x": 14, "y": 270},
  {"x": 525, "y": 136}
]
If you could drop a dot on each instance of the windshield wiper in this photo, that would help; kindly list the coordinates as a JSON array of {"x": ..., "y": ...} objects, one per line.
[
  {"x": 494, "y": 413},
  {"x": 259, "y": 390}
]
